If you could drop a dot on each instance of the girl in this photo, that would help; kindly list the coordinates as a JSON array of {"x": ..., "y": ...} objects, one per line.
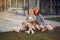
[{"x": 39, "y": 19}]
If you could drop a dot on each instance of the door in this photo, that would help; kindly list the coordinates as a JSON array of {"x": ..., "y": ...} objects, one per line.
[
  {"x": 47, "y": 7},
  {"x": 58, "y": 7}
]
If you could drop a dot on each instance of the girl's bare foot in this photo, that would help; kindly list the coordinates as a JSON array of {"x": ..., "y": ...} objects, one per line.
[
  {"x": 32, "y": 32},
  {"x": 27, "y": 32}
]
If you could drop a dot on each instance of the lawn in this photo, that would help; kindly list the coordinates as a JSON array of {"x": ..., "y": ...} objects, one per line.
[
  {"x": 54, "y": 19},
  {"x": 47, "y": 35},
  {"x": 55, "y": 35}
]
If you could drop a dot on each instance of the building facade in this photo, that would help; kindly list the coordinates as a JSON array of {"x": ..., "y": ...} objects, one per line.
[
  {"x": 50, "y": 7},
  {"x": 47, "y": 7}
]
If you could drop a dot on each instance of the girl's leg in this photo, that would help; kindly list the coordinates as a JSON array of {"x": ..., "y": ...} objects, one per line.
[
  {"x": 37, "y": 27},
  {"x": 42, "y": 28},
  {"x": 31, "y": 28},
  {"x": 29, "y": 25}
]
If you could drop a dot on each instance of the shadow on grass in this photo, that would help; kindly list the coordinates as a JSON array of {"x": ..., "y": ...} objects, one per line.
[{"x": 54, "y": 19}]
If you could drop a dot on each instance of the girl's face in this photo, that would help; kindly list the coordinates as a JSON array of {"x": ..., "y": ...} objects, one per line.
[
  {"x": 36, "y": 11},
  {"x": 31, "y": 12}
]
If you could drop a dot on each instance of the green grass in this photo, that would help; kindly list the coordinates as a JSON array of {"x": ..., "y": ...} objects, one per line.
[
  {"x": 48, "y": 35},
  {"x": 54, "y": 19}
]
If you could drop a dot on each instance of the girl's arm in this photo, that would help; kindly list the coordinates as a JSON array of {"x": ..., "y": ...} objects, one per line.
[{"x": 40, "y": 20}]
